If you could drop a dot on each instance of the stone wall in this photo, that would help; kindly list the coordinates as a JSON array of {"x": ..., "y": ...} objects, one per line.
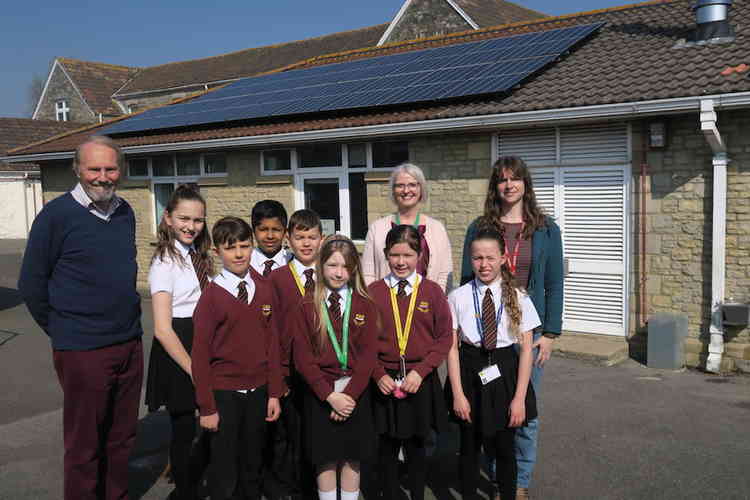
[
  {"x": 679, "y": 204},
  {"x": 425, "y": 18},
  {"x": 59, "y": 88}
]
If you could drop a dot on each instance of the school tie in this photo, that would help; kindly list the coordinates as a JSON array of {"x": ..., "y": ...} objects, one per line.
[
  {"x": 201, "y": 269},
  {"x": 267, "y": 269},
  {"x": 309, "y": 282},
  {"x": 334, "y": 308},
  {"x": 489, "y": 321},
  {"x": 242, "y": 293},
  {"x": 402, "y": 288}
]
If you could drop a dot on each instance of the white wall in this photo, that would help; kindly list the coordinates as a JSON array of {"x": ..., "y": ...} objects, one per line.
[{"x": 20, "y": 201}]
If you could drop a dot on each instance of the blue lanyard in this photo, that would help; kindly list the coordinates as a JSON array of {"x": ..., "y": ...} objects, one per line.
[{"x": 478, "y": 312}]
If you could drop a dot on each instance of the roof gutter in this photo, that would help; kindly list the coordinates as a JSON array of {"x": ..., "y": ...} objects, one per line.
[{"x": 500, "y": 120}]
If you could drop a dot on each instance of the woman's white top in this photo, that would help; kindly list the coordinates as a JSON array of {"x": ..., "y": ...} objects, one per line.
[
  {"x": 462, "y": 304},
  {"x": 177, "y": 279}
]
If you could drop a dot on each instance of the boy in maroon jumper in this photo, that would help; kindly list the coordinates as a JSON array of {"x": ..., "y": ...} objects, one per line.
[
  {"x": 236, "y": 364},
  {"x": 285, "y": 476}
]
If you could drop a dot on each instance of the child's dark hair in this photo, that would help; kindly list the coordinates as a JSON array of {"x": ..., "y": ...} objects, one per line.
[
  {"x": 404, "y": 233},
  {"x": 488, "y": 232},
  {"x": 268, "y": 209},
  {"x": 165, "y": 236},
  {"x": 229, "y": 230},
  {"x": 304, "y": 220}
]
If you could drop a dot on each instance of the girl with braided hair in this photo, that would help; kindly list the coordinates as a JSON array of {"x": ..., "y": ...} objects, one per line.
[{"x": 488, "y": 389}]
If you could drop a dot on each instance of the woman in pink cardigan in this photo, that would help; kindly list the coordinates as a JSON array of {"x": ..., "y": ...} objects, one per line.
[{"x": 408, "y": 190}]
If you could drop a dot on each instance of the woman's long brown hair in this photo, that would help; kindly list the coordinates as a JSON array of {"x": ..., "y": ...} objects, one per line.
[
  {"x": 165, "y": 236},
  {"x": 533, "y": 215},
  {"x": 508, "y": 286},
  {"x": 345, "y": 246}
]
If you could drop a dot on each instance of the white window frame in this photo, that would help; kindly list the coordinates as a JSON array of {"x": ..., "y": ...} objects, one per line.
[
  {"x": 294, "y": 160},
  {"x": 175, "y": 181},
  {"x": 203, "y": 173},
  {"x": 61, "y": 107}
]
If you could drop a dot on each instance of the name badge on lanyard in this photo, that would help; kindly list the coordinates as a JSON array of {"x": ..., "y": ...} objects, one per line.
[
  {"x": 402, "y": 333},
  {"x": 342, "y": 349},
  {"x": 492, "y": 370}
]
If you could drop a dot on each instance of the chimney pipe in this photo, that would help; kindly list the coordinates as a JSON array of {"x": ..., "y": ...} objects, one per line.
[{"x": 712, "y": 17}]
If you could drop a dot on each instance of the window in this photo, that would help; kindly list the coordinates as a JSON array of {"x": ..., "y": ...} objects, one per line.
[
  {"x": 319, "y": 155},
  {"x": 389, "y": 154},
  {"x": 189, "y": 164},
  {"x": 358, "y": 206},
  {"x": 279, "y": 160},
  {"x": 215, "y": 164},
  {"x": 132, "y": 108},
  {"x": 163, "y": 166},
  {"x": 162, "y": 193},
  {"x": 357, "y": 155},
  {"x": 138, "y": 167},
  {"x": 62, "y": 110}
]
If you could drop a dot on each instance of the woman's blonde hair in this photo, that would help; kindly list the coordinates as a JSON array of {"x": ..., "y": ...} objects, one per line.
[
  {"x": 414, "y": 171},
  {"x": 332, "y": 244},
  {"x": 487, "y": 231}
]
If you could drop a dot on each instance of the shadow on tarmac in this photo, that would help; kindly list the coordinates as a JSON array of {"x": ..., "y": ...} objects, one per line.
[
  {"x": 149, "y": 457},
  {"x": 9, "y": 298}
]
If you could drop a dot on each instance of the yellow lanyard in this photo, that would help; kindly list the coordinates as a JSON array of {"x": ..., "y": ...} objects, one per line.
[
  {"x": 402, "y": 333},
  {"x": 297, "y": 279}
]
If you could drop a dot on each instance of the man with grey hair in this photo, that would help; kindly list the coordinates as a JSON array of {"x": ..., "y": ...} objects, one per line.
[{"x": 78, "y": 281}]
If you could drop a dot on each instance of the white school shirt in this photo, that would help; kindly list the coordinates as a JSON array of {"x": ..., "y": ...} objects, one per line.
[
  {"x": 300, "y": 269},
  {"x": 461, "y": 301},
  {"x": 392, "y": 282},
  {"x": 342, "y": 297},
  {"x": 82, "y": 197},
  {"x": 258, "y": 260},
  {"x": 230, "y": 281},
  {"x": 177, "y": 279}
]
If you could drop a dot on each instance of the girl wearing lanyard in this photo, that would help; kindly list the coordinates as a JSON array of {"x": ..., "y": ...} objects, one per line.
[
  {"x": 179, "y": 271},
  {"x": 488, "y": 387},
  {"x": 335, "y": 349},
  {"x": 414, "y": 341}
]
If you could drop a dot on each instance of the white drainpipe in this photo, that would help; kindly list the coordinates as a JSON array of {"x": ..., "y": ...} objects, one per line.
[{"x": 718, "y": 250}]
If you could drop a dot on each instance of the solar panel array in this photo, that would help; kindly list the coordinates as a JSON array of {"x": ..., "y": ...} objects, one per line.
[{"x": 466, "y": 69}]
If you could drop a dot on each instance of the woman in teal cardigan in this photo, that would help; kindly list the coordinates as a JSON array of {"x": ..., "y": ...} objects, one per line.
[{"x": 535, "y": 255}]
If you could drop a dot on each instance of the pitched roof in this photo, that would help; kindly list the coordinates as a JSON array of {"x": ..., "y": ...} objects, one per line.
[
  {"x": 488, "y": 13},
  {"x": 97, "y": 82},
  {"x": 632, "y": 58},
  {"x": 248, "y": 62},
  {"x": 15, "y": 132}
]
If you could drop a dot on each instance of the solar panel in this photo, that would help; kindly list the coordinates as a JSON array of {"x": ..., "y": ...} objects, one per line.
[{"x": 466, "y": 69}]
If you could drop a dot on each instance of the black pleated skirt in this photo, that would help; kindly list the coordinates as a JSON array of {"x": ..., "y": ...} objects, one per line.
[
  {"x": 490, "y": 403},
  {"x": 413, "y": 416},
  {"x": 327, "y": 441},
  {"x": 168, "y": 384}
]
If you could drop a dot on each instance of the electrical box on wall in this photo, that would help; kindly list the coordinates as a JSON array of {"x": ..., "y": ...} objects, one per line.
[{"x": 735, "y": 314}]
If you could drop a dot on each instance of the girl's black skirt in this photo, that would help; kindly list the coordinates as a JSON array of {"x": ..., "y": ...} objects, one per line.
[
  {"x": 490, "y": 403},
  {"x": 327, "y": 441},
  {"x": 169, "y": 385},
  {"x": 413, "y": 416}
]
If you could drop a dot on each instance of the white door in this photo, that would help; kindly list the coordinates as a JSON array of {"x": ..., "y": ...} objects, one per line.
[
  {"x": 327, "y": 193},
  {"x": 586, "y": 191}
]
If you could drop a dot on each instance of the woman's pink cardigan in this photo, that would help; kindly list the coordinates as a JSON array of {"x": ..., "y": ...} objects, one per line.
[{"x": 375, "y": 265}]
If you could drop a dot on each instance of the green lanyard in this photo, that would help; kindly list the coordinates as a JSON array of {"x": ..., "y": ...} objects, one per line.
[
  {"x": 398, "y": 220},
  {"x": 342, "y": 350}
]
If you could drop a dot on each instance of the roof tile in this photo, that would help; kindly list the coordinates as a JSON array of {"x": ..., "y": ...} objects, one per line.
[{"x": 97, "y": 82}]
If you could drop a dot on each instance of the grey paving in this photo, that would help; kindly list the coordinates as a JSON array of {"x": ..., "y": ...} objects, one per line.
[{"x": 609, "y": 433}]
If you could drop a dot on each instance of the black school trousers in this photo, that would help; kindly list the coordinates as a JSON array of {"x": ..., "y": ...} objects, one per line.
[{"x": 236, "y": 448}]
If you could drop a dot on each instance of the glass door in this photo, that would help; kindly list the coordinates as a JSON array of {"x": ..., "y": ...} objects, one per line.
[{"x": 327, "y": 194}]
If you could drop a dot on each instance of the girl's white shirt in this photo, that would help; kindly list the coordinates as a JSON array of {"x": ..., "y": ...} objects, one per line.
[
  {"x": 392, "y": 281},
  {"x": 342, "y": 296},
  {"x": 461, "y": 301},
  {"x": 178, "y": 279}
]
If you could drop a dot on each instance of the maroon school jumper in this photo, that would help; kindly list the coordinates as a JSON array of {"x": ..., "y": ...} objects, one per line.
[
  {"x": 321, "y": 371},
  {"x": 236, "y": 345},
  {"x": 431, "y": 330},
  {"x": 288, "y": 299}
]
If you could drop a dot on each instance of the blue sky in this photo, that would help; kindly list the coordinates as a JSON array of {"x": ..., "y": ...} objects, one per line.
[{"x": 147, "y": 33}]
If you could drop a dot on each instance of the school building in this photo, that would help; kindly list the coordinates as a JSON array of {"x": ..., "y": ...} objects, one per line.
[{"x": 636, "y": 132}]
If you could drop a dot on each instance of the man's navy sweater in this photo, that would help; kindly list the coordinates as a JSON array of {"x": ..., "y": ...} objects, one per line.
[{"x": 78, "y": 277}]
